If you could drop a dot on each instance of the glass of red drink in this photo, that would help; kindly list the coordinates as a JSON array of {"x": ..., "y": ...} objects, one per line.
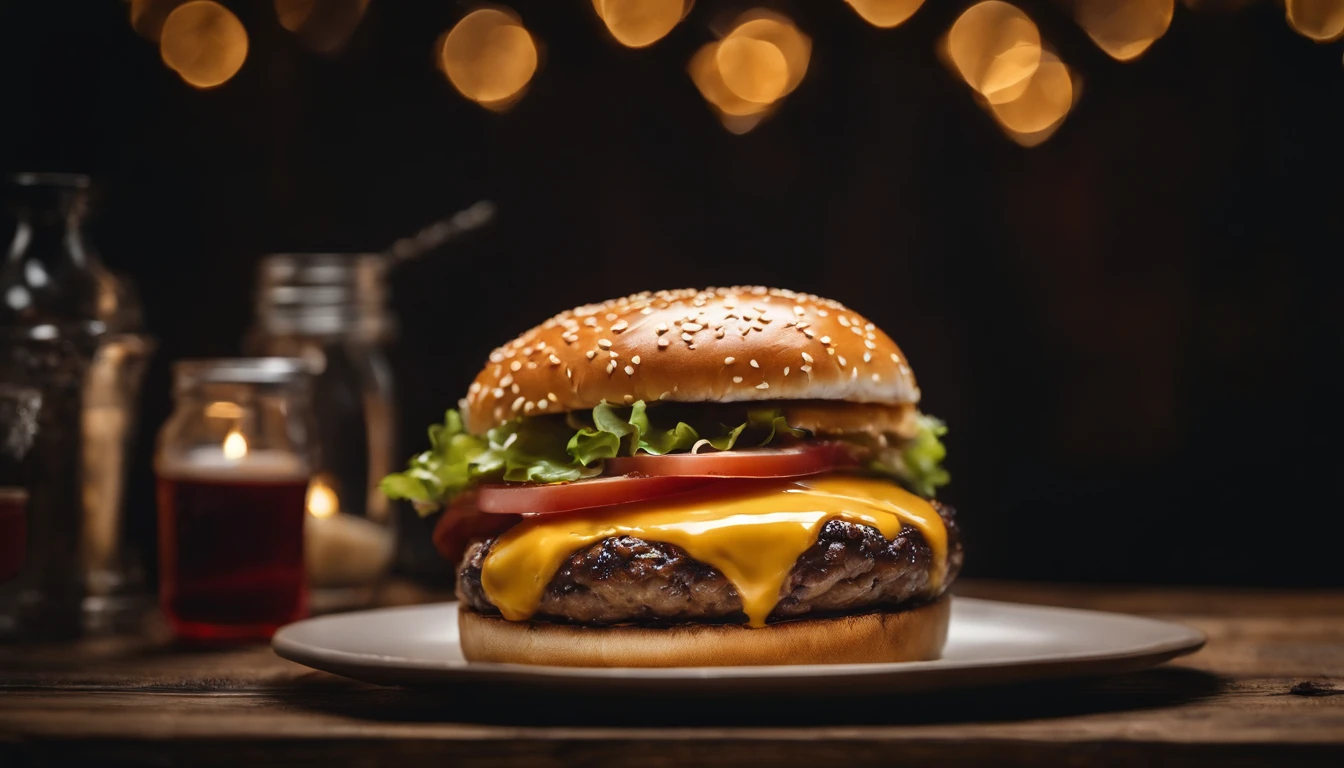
[{"x": 233, "y": 466}]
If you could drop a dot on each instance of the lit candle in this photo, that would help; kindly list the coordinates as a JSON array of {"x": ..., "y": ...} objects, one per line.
[{"x": 342, "y": 550}]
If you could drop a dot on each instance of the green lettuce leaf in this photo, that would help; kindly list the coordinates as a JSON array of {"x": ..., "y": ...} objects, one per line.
[{"x": 547, "y": 449}]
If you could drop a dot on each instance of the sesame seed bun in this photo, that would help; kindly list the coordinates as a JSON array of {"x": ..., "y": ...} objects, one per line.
[
  {"x": 736, "y": 344},
  {"x": 916, "y": 634}
]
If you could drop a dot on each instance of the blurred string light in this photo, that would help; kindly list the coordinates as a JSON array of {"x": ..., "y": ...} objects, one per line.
[
  {"x": 203, "y": 42},
  {"x": 324, "y": 26},
  {"x": 640, "y": 23},
  {"x": 885, "y": 13},
  {"x": 1124, "y": 29},
  {"x": 997, "y": 50},
  {"x": 746, "y": 74},
  {"x": 489, "y": 57},
  {"x": 147, "y": 16},
  {"x": 1319, "y": 20}
]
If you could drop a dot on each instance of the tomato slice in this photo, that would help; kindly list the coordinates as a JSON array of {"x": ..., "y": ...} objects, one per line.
[
  {"x": 540, "y": 499},
  {"x": 462, "y": 521},
  {"x": 792, "y": 461}
]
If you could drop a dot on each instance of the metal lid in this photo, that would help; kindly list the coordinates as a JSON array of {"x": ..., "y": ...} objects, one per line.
[
  {"x": 188, "y": 374},
  {"x": 324, "y": 294}
]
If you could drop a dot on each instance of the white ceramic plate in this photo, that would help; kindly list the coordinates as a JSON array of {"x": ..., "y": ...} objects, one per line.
[{"x": 989, "y": 642}]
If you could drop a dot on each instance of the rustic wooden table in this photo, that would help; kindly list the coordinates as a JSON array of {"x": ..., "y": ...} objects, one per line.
[{"x": 1267, "y": 690}]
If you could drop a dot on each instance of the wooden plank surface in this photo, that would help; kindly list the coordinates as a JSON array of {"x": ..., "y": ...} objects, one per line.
[{"x": 1267, "y": 690}]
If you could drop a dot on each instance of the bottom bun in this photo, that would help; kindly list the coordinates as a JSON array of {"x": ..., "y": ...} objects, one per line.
[{"x": 917, "y": 634}]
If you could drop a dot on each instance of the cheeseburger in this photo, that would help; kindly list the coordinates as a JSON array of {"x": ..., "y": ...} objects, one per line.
[{"x": 731, "y": 476}]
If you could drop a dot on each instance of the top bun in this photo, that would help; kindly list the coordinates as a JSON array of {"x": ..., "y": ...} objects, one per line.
[{"x": 717, "y": 345}]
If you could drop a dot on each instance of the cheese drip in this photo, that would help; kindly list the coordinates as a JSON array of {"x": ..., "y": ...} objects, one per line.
[{"x": 753, "y": 537}]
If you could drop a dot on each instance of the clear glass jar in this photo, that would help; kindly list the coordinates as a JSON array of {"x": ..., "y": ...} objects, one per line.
[
  {"x": 331, "y": 311},
  {"x": 233, "y": 464}
]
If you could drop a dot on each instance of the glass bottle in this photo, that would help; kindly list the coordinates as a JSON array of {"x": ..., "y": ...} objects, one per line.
[
  {"x": 331, "y": 311},
  {"x": 233, "y": 463}
]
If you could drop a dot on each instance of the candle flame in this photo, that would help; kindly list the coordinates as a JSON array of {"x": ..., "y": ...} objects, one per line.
[
  {"x": 322, "y": 501},
  {"x": 235, "y": 445}
]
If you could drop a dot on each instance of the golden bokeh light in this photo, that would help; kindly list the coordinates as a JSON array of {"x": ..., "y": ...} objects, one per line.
[
  {"x": 1319, "y": 20},
  {"x": 996, "y": 48},
  {"x": 489, "y": 57},
  {"x": 147, "y": 16},
  {"x": 1040, "y": 110},
  {"x": 204, "y": 43},
  {"x": 640, "y": 23},
  {"x": 778, "y": 31},
  {"x": 752, "y": 69},
  {"x": 324, "y": 26},
  {"x": 1124, "y": 29},
  {"x": 885, "y": 13},
  {"x": 761, "y": 59}
]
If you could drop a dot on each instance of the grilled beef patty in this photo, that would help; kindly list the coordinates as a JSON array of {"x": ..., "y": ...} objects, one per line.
[{"x": 851, "y": 568}]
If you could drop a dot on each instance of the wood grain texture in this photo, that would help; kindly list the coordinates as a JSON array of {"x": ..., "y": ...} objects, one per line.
[{"x": 1240, "y": 701}]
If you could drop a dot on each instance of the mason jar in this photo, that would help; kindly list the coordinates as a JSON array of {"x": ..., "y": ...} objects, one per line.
[{"x": 233, "y": 464}]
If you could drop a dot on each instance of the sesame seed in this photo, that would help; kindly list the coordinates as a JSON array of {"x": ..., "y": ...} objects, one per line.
[
  {"x": 843, "y": 321},
  {"x": 854, "y": 373},
  {"x": 687, "y": 337},
  {"x": 664, "y": 395},
  {"x": 718, "y": 334},
  {"x": 869, "y": 344},
  {"x": 629, "y": 399},
  {"x": 807, "y": 358},
  {"x": 808, "y": 332},
  {"x": 786, "y": 370},
  {"x": 519, "y": 402},
  {"x": 842, "y": 361},
  {"x": 748, "y": 316},
  {"x": 805, "y": 368},
  {"x": 506, "y": 381},
  {"x": 755, "y": 364},
  {"x": 514, "y": 388},
  {"x": 737, "y": 379},
  {"x": 629, "y": 370},
  {"x": 496, "y": 356},
  {"x": 614, "y": 354},
  {"x": 611, "y": 316},
  {"x": 474, "y": 388},
  {"x": 729, "y": 360},
  {"x": 746, "y": 329},
  {"x": 592, "y": 353},
  {"x": 692, "y": 327},
  {"x": 515, "y": 365},
  {"x": 730, "y": 315},
  {"x": 822, "y": 313},
  {"x": 611, "y": 366},
  {"x": 877, "y": 377},
  {"x": 763, "y": 385},
  {"x": 531, "y": 366},
  {"x": 543, "y": 404},
  {"x": 894, "y": 358},
  {"x": 528, "y": 407},
  {"x": 757, "y": 327},
  {"x": 855, "y": 330},
  {"x": 765, "y": 318},
  {"x": 635, "y": 359},
  {"x": 554, "y": 360},
  {"x": 798, "y": 310},
  {"x": 497, "y": 392},
  {"x": 618, "y": 326},
  {"x": 662, "y": 328},
  {"x": 830, "y": 351},
  {"x": 825, "y": 339},
  {"x": 604, "y": 343},
  {"x": 590, "y": 321},
  {"x": 662, "y": 342},
  {"x": 569, "y": 372},
  {"x": 803, "y": 325}
]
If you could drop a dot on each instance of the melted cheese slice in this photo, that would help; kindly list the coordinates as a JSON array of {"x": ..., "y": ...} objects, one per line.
[{"x": 753, "y": 537}]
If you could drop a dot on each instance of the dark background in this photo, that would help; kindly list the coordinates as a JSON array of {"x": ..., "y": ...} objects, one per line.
[{"x": 1133, "y": 330}]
